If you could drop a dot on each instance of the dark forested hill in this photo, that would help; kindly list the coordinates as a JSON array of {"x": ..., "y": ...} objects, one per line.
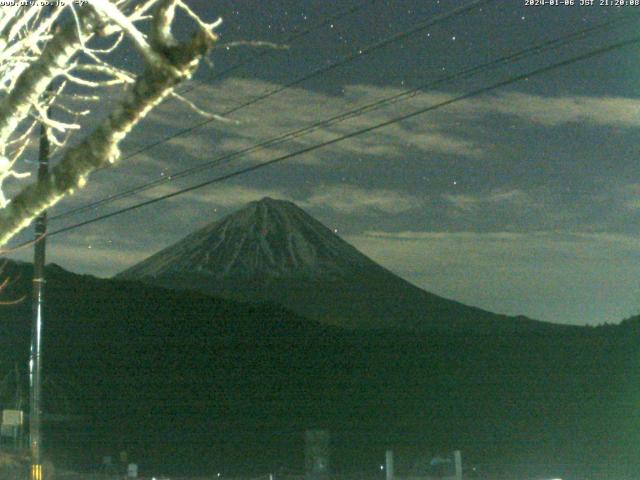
[{"x": 186, "y": 382}]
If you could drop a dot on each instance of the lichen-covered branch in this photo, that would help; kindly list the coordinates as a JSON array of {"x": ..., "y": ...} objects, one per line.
[
  {"x": 34, "y": 80},
  {"x": 38, "y": 50},
  {"x": 171, "y": 63}
]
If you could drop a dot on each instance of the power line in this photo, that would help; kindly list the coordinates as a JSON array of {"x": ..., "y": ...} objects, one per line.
[
  {"x": 459, "y": 98},
  {"x": 358, "y": 54},
  {"x": 554, "y": 43},
  {"x": 361, "y": 52}
]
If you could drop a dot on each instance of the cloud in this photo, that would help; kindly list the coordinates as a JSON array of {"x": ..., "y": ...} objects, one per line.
[
  {"x": 575, "y": 244},
  {"x": 554, "y": 111},
  {"x": 231, "y": 196},
  {"x": 470, "y": 202},
  {"x": 342, "y": 198},
  {"x": 101, "y": 253},
  {"x": 630, "y": 195},
  {"x": 297, "y": 108},
  {"x": 564, "y": 276},
  {"x": 237, "y": 196},
  {"x": 96, "y": 259},
  {"x": 446, "y": 131},
  {"x": 349, "y": 199}
]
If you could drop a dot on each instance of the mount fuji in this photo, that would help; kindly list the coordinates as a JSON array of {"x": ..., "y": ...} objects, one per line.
[{"x": 273, "y": 251}]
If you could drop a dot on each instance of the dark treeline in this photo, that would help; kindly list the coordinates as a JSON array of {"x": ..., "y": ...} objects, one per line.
[{"x": 187, "y": 383}]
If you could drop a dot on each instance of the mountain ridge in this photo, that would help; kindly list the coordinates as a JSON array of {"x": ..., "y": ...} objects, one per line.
[
  {"x": 242, "y": 244},
  {"x": 272, "y": 250},
  {"x": 145, "y": 364}
]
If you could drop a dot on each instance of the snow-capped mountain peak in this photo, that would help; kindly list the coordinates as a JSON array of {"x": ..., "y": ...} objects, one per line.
[
  {"x": 266, "y": 238},
  {"x": 271, "y": 250}
]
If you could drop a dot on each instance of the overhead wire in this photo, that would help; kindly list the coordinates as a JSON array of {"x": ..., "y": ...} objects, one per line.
[
  {"x": 541, "y": 47},
  {"x": 421, "y": 111},
  {"x": 361, "y": 52}
]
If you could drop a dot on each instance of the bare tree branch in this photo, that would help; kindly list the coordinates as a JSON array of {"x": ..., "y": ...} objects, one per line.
[{"x": 168, "y": 63}]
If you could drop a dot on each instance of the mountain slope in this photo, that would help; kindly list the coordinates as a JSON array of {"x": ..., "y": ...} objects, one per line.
[
  {"x": 190, "y": 384},
  {"x": 142, "y": 365},
  {"x": 269, "y": 239},
  {"x": 271, "y": 250}
]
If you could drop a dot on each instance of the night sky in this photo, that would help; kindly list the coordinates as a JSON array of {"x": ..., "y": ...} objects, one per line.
[{"x": 522, "y": 201}]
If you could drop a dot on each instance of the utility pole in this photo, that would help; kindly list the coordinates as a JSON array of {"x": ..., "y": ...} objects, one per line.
[
  {"x": 35, "y": 361},
  {"x": 457, "y": 458},
  {"x": 19, "y": 407},
  {"x": 389, "y": 465}
]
